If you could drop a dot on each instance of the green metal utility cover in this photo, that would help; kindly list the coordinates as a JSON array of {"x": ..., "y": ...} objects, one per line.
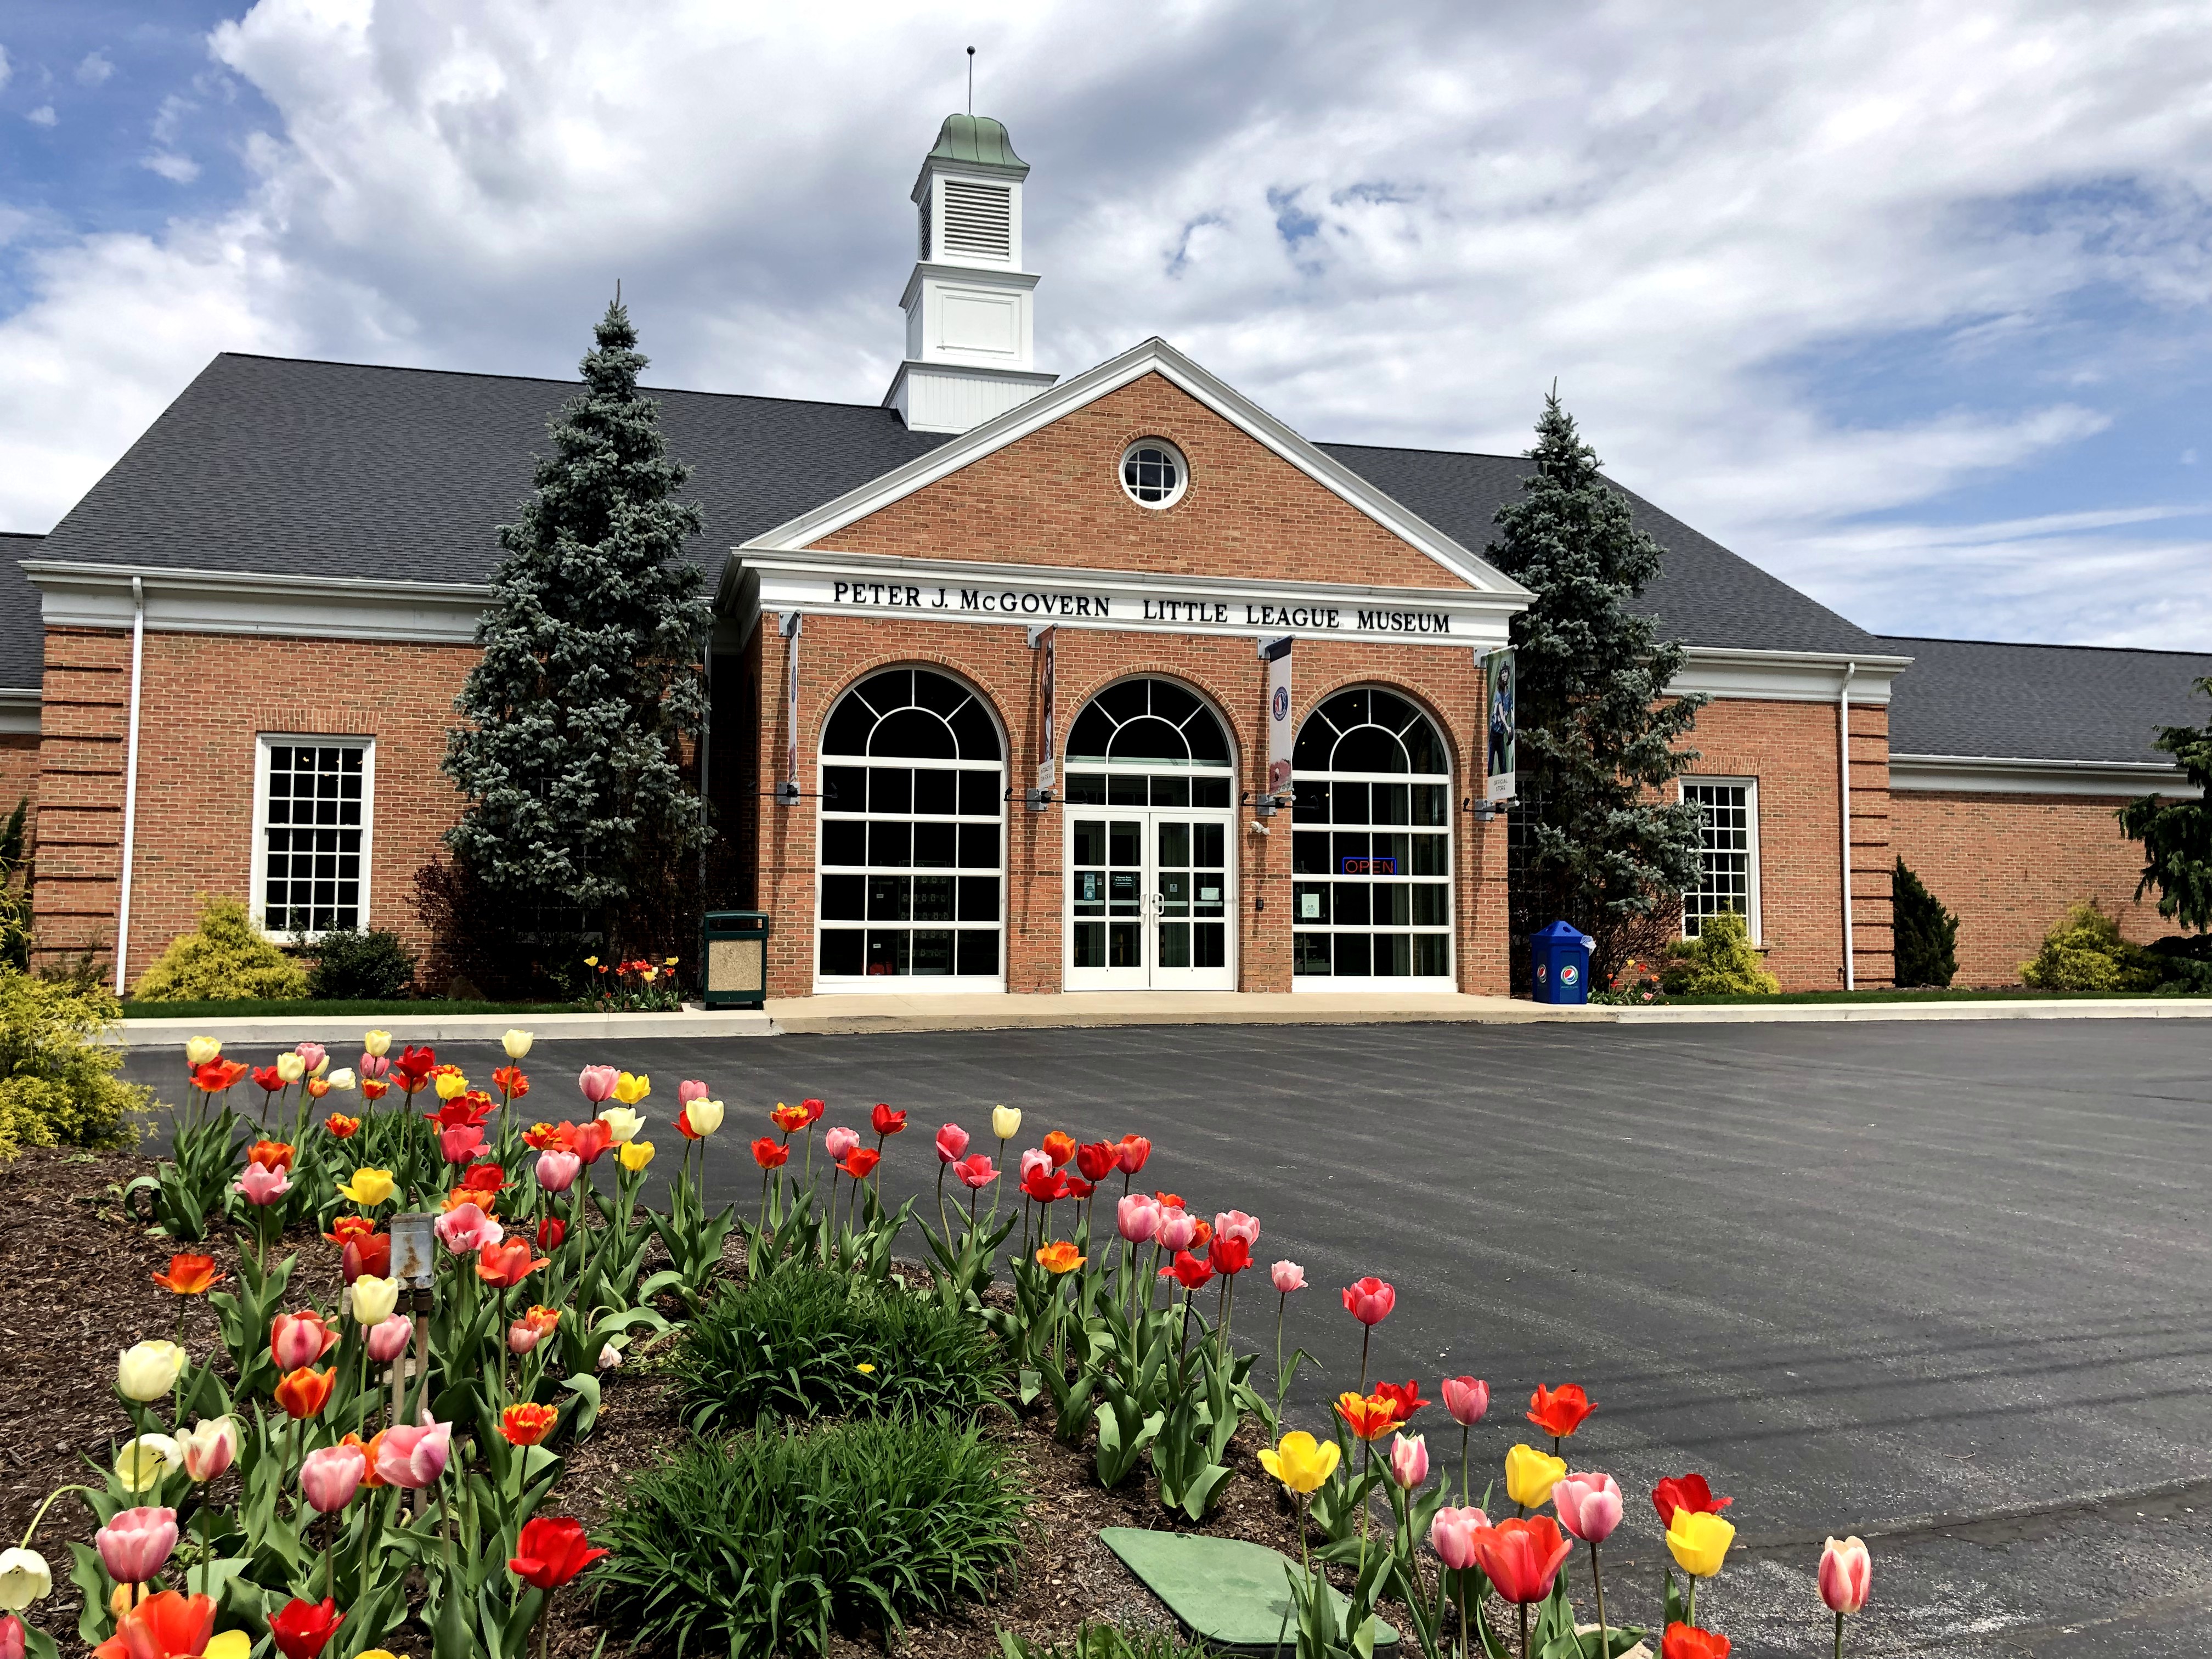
[{"x": 1227, "y": 1593}]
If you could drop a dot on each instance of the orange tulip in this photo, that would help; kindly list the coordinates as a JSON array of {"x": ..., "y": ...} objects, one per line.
[
  {"x": 168, "y": 1626},
  {"x": 790, "y": 1119},
  {"x": 270, "y": 1154},
  {"x": 1060, "y": 1257},
  {"x": 1060, "y": 1147},
  {"x": 304, "y": 1392},
  {"x": 368, "y": 1449},
  {"x": 189, "y": 1274},
  {"x": 527, "y": 1424},
  {"x": 1559, "y": 1411},
  {"x": 507, "y": 1264},
  {"x": 218, "y": 1074},
  {"x": 342, "y": 1127},
  {"x": 1370, "y": 1417}
]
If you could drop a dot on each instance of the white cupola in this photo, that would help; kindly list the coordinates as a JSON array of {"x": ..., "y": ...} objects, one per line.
[{"x": 970, "y": 318}]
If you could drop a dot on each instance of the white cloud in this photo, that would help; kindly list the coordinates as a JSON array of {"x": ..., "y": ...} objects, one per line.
[
  {"x": 43, "y": 116},
  {"x": 6, "y": 68},
  {"x": 94, "y": 69},
  {"x": 1394, "y": 226},
  {"x": 177, "y": 169}
]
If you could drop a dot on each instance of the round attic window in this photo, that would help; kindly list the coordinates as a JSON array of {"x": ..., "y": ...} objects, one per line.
[{"x": 1154, "y": 472}]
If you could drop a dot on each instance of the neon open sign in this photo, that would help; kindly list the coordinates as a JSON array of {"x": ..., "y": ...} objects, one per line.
[{"x": 1368, "y": 866}]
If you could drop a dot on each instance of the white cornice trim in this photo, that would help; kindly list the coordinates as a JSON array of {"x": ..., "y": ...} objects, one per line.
[
  {"x": 1728, "y": 673},
  {"x": 1998, "y": 774},
  {"x": 1153, "y": 356},
  {"x": 19, "y": 710},
  {"x": 231, "y": 602},
  {"x": 822, "y": 580}
]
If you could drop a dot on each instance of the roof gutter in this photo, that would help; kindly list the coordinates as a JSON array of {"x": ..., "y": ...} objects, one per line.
[
  {"x": 1843, "y": 779},
  {"x": 130, "y": 783}
]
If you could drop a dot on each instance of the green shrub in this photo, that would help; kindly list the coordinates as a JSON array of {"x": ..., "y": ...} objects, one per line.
[
  {"x": 1719, "y": 962},
  {"x": 2184, "y": 962},
  {"x": 761, "y": 1544},
  {"x": 350, "y": 966},
  {"x": 794, "y": 1343},
  {"x": 57, "y": 1082},
  {"x": 227, "y": 959},
  {"x": 1927, "y": 934},
  {"x": 2084, "y": 951}
]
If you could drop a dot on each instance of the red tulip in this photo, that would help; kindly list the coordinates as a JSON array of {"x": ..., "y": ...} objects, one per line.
[
  {"x": 551, "y": 1551},
  {"x": 302, "y": 1629},
  {"x": 1187, "y": 1270},
  {"x": 770, "y": 1154},
  {"x": 1405, "y": 1399},
  {"x": 11, "y": 1637},
  {"x": 368, "y": 1253},
  {"x": 165, "y": 1625},
  {"x": 414, "y": 1066},
  {"x": 461, "y": 1112},
  {"x": 975, "y": 1172},
  {"x": 1684, "y": 1641},
  {"x": 1688, "y": 1491},
  {"x": 461, "y": 1143},
  {"x": 1560, "y": 1411},
  {"x": 507, "y": 1264},
  {"x": 1131, "y": 1152},
  {"x": 268, "y": 1079},
  {"x": 886, "y": 1122},
  {"x": 1370, "y": 1417},
  {"x": 510, "y": 1082},
  {"x": 860, "y": 1162},
  {"x": 1230, "y": 1256},
  {"x": 484, "y": 1178},
  {"x": 813, "y": 1108},
  {"x": 1521, "y": 1557},
  {"x": 1369, "y": 1300},
  {"x": 1096, "y": 1160},
  {"x": 551, "y": 1232},
  {"x": 1045, "y": 1186},
  {"x": 591, "y": 1140},
  {"x": 951, "y": 1144},
  {"x": 1079, "y": 1189},
  {"x": 217, "y": 1076}
]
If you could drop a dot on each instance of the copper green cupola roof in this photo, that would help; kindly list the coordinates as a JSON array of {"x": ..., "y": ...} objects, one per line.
[{"x": 977, "y": 141}]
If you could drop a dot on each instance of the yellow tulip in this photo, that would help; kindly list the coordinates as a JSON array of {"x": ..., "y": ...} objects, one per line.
[
  {"x": 631, "y": 1090},
  {"x": 635, "y": 1154},
  {"x": 200, "y": 1050},
  {"x": 1531, "y": 1475},
  {"x": 374, "y": 1298},
  {"x": 517, "y": 1044},
  {"x": 149, "y": 1369},
  {"x": 1301, "y": 1462},
  {"x": 1005, "y": 1121},
  {"x": 1699, "y": 1542},
  {"x": 369, "y": 1188},
  {"x": 146, "y": 1460},
  {"x": 375, "y": 1045},
  {"x": 452, "y": 1085},
  {"x": 227, "y": 1644},
  {"x": 621, "y": 1123},
  {"x": 291, "y": 1068}
]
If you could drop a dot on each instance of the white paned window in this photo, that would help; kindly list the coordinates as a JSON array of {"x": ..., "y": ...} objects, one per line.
[
  {"x": 314, "y": 804},
  {"x": 1729, "y": 807}
]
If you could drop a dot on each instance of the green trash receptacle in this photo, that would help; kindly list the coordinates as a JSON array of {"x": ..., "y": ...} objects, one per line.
[{"x": 734, "y": 948}]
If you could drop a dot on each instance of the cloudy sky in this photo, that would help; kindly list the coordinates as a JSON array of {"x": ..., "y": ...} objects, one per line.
[{"x": 1907, "y": 302}]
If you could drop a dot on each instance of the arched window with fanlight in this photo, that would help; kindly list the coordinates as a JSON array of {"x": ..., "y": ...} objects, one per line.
[
  {"x": 1370, "y": 845},
  {"x": 912, "y": 853}
]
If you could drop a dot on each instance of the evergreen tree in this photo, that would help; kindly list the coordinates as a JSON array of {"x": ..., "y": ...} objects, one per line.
[
  {"x": 1927, "y": 934},
  {"x": 1596, "y": 840},
  {"x": 591, "y": 678},
  {"x": 2177, "y": 834}
]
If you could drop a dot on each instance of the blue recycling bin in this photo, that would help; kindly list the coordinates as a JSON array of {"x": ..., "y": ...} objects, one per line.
[{"x": 1559, "y": 962}]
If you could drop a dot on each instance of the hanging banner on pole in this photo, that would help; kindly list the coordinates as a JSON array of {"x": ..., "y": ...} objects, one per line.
[
  {"x": 1047, "y": 751},
  {"x": 1498, "y": 676},
  {"x": 1277, "y": 652},
  {"x": 787, "y": 791}
]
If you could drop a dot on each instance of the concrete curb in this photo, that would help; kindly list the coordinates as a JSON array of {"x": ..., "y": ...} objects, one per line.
[
  {"x": 345, "y": 1033},
  {"x": 1799, "y": 1014}
]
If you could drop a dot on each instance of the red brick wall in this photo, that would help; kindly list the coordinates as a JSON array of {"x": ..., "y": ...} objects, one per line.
[
  {"x": 837, "y": 652},
  {"x": 1055, "y": 498},
  {"x": 205, "y": 699},
  {"x": 2009, "y": 864},
  {"x": 1790, "y": 748},
  {"x": 19, "y": 776}
]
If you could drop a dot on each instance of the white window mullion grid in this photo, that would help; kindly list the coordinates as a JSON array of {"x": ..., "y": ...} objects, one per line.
[
  {"x": 1729, "y": 837},
  {"x": 326, "y": 816}
]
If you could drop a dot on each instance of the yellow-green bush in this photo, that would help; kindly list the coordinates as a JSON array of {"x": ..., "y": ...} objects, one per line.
[
  {"x": 57, "y": 1082},
  {"x": 2084, "y": 951},
  {"x": 227, "y": 959},
  {"x": 1719, "y": 962}
]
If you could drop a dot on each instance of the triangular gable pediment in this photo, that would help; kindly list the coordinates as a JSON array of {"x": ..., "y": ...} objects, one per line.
[{"x": 1039, "y": 484}]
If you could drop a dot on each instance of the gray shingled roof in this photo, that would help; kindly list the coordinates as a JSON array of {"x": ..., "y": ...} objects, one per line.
[
  {"x": 23, "y": 640},
  {"x": 2040, "y": 702},
  {"x": 272, "y": 463}
]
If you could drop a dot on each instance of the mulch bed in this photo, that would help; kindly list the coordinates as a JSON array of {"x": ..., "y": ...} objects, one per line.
[{"x": 76, "y": 1288}]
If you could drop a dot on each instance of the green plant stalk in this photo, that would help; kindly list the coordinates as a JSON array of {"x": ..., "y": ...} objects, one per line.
[
  {"x": 1598, "y": 1584},
  {"x": 1464, "y": 1499},
  {"x": 1839, "y": 1636}
]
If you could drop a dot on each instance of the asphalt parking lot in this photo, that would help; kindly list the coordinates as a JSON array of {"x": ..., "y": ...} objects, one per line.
[{"x": 1946, "y": 1285}]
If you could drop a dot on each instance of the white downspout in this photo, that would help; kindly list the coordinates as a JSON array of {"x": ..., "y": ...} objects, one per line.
[
  {"x": 1843, "y": 773},
  {"x": 130, "y": 779}
]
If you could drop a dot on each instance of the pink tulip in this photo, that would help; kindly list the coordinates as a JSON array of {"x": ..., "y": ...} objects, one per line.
[
  {"x": 297, "y": 1339},
  {"x": 388, "y": 1340},
  {"x": 597, "y": 1082},
  {"x": 1034, "y": 1158},
  {"x": 262, "y": 1185},
  {"x": 1451, "y": 1535},
  {"x": 558, "y": 1170},
  {"x": 1589, "y": 1506},
  {"x": 134, "y": 1545},
  {"x": 1138, "y": 1217},
  {"x": 522, "y": 1336},
  {"x": 461, "y": 1144},
  {"x": 1409, "y": 1460},
  {"x": 951, "y": 1144},
  {"x": 1235, "y": 1224},
  {"x": 311, "y": 1055},
  {"x": 11, "y": 1637},
  {"x": 414, "y": 1457},
  {"x": 329, "y": 1477},
  {"x": 1176, "y": 1230},
  {"x": 374, "y": 1065},
  {"x": 975, "y": 1171},
  {"x": 210, "y": 1448},
  {"x": 838, "y": 1142},
  {"x": 1846, "y": 1575},
  {"x": 466, "y": 1228},
  {"x": 1288, "y": 1277},
  {"x": 1369, "y": 1300},
  {"x": 692, "y": 1090},
  {"x": 1467, "y": 1398}
]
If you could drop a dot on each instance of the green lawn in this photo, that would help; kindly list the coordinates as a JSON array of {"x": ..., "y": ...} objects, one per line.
[
  {"x": 2007, "y": 994},
  {"x": 398, "y": 1011}
]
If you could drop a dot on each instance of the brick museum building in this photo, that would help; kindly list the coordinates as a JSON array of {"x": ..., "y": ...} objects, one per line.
[{"x": 1019, "y": 682}]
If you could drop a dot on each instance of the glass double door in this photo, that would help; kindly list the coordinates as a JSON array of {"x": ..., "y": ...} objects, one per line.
[{"x": 1151, "y": 898}]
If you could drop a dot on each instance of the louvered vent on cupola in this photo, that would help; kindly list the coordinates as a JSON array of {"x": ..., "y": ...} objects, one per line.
[{"x": 978, "y": 220}]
